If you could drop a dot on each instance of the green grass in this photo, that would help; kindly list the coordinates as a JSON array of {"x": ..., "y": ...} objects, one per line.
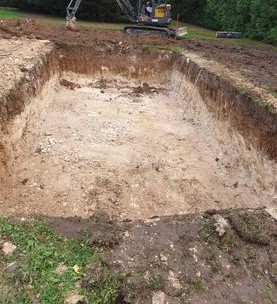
[
  {"x": 229, "y": 243},
  {"x": 156, "y": 282},
  {"x": 243, "y": 91},
  {"x": 80, "y": 23},
  {"x": 251, "y": 228},
  {"x": 35, "y": 278},
  {"x": 164, "y": 47},
  {"x": 197, "y": 285},
  {"x": 10, "y": 13},
  {"x": 207, "y": 232}
]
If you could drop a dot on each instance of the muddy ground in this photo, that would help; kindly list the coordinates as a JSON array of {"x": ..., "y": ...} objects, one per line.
[{"x": 258, "y": 65}]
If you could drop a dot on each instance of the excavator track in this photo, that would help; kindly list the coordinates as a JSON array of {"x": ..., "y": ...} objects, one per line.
[{"x": 149, "y": 30}]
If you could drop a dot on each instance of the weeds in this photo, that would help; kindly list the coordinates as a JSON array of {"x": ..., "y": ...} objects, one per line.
[
  {"x": 156, "y": 282},
  {"x": 40, "y": 251},
  {"x": 271, "y": 91},
  {"x": 229, "y": 243},
  {"x": 250, "y": 228},
  {"x": 207, "y": 232},
  {"x": 197, "y": 285},
  {"x": 265, "y": 104},
  {"x": 244, "y": 92},
  {"x": 176, "y": 49}
]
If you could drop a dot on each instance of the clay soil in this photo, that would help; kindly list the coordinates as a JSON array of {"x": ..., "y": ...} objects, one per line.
[{"x": 258, "y": 65}]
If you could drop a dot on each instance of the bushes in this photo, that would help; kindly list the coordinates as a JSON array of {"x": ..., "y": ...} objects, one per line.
[{"x": 256, "y": 18}]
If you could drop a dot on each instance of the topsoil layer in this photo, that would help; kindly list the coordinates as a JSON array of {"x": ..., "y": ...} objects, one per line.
[{"x": 258, "y": 65}]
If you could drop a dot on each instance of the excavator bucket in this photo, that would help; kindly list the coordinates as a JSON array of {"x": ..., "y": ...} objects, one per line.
[
  {"x": 180, "y": 32},
  {"x": 71, "y": 24}
]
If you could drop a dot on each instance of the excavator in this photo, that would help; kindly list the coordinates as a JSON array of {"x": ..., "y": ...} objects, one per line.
[{"x": 151, "y": 17}]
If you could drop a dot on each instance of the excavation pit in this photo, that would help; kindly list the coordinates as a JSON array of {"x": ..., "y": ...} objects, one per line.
[{"x": 129, "y": 137}]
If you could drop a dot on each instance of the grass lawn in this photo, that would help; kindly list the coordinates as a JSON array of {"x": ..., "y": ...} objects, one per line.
[
  {"x": 10, "y": 13},
  {"x": 45, "y": 267}
]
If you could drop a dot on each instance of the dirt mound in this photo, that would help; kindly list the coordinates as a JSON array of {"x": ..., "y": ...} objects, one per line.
[{"x": 145, "y": 88}]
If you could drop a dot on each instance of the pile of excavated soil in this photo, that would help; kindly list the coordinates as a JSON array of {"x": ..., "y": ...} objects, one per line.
[{"x": 258, "y": 65}]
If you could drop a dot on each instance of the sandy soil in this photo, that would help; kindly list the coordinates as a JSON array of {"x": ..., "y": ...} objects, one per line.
[{"x": 123, "y": 148}]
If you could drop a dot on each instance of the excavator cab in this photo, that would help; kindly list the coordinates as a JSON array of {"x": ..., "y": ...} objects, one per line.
[
  {"x": 154, "y": 17},
  {"x": 155, "y": 12}
]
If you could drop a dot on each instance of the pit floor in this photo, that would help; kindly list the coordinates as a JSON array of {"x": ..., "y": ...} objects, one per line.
[{"x": 124, "y": 148}]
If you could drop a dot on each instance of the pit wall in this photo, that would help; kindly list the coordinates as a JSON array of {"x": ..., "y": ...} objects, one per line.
[
  {"x": 246, "y": 129},
  {"x": 29, "y": 96}
]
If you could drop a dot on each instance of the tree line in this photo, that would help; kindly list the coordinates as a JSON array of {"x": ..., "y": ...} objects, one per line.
[{"x": 255, "y": 18}]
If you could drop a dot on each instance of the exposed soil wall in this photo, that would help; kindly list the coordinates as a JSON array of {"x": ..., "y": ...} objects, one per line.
[
  {"x": 28, "y": 87},
  {"x": 253, "y": 120},
  {"x": 142, "y": 64},
  {"x": 26, "y": 99}
]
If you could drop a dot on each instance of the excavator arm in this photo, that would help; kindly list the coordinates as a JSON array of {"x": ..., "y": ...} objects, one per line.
[
  {"x": 124, "y": 5},
  {"x": 71, "y": 10},
  {"x": 128, "y": 10}
]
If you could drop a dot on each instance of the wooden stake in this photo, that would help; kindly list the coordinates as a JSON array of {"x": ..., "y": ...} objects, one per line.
[{"x": 177, "y": 25}]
